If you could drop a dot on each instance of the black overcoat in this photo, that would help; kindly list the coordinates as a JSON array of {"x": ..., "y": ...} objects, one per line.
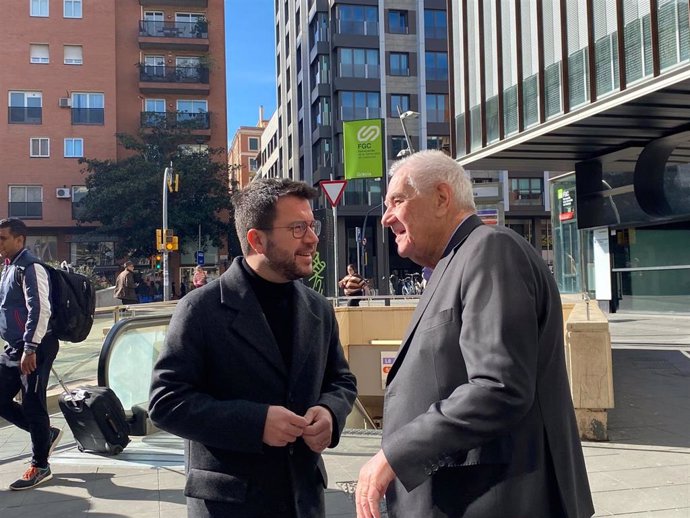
[{"x": 220, "y": 369}]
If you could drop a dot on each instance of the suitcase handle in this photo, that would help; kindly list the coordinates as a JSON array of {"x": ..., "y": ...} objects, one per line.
[{"x": 64, "y": 387}]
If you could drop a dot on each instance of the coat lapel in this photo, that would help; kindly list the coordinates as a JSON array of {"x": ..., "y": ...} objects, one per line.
[
  {"x": 250, "y": 322},
  {"x": 458, "y": 238}
]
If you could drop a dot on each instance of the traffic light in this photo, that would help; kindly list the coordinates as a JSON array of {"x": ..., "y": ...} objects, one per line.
[
  {"x": 159, "y": 260},
  {"x": 169, "y": 239}
]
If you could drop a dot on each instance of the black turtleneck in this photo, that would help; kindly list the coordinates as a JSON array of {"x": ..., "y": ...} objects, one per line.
[{"x": 276, "y": 300}]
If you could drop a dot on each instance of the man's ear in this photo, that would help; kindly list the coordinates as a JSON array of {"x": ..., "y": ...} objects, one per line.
[
  {"x": 444, "y": 195},
  {"x": 256, "y": 240}
]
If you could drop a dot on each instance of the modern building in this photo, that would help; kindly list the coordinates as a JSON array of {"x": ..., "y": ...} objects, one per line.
[
  {"x": 269, "y": 150},
  {"x": 243, "y": 155},
  {"x": 600, "y": 89},
  {"x": 79, "y": 72},
  {"x": 349, "y": 60}
]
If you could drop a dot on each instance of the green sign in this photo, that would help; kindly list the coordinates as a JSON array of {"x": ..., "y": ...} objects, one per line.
[{"x": 363, "y": 143}]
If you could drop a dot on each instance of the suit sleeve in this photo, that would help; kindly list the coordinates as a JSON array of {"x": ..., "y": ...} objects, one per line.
[
  {"x": 339, "y": 388},
  {"x": 36, "y": 288},
  {"x": 179, "y": 406},
  {"x": 499, "y": 343}
]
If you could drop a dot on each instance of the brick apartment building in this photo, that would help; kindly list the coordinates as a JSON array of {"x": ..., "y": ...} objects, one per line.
[
  {"x": 77, "y": 72},
  {"x": 243, "y": 155}
]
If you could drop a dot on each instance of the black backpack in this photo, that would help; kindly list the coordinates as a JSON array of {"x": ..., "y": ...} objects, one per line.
[{"x": 73, "y": 301}]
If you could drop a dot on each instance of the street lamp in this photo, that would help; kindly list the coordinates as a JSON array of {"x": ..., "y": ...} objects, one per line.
[{"x": 409, "y": 114}]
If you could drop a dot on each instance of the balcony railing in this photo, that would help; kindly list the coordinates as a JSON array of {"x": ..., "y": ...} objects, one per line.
[
  {"x": 94, "y": 116},
  {"x": 170, "y": 29},
  {"x": 170, "y": 74},
  {"x": 348, "y": 113},
  {"x": 176, "y": 120},
  {"x": 358, "y": 27},
  {"x": 25, "y": 115},
  {"x": 369, "y": 71}
]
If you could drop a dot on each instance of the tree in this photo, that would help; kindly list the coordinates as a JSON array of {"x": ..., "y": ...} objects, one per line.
[{"x": 125, "y": 196}]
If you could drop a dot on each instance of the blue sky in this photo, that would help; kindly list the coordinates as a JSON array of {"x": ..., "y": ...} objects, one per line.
[{"x": 249, "y": 61}]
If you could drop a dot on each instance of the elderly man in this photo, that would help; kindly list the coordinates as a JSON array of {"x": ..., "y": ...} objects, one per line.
[
  {"x": 252, "y": 373},
  {"x": 478, "y": 420}
]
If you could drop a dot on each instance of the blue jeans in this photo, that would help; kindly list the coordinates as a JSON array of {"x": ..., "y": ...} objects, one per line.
[{"x": 32, "y": 414}]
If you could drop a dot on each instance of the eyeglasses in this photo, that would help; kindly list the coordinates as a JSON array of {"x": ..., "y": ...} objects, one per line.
[{"x": 299, "y": 229}]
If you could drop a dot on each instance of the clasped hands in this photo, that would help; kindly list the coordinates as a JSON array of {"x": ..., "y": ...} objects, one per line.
[{"x": 283, "y": 427}]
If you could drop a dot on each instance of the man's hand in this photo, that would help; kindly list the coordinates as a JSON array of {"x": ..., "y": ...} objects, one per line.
[
  {"x": 282, "y": 426},
  {"x": 28, "y": 363},
  {"x": 319, "y": 430},
  {"x": 374, "y": 478}
]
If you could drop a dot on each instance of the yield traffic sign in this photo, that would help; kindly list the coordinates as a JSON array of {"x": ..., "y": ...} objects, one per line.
[{"x": 334, "y": 190}]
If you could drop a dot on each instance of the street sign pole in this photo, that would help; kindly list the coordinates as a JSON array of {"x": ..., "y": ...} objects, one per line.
[
  {"x": 166, "y": 275},
  {"x": 334, "y": 190}
]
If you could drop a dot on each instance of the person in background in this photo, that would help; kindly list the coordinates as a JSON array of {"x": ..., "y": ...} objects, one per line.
[
  {"x": 199, "y": 279},
  {"x": 478, "y": 420},
  {"x": 252, "y": 374},
  {"x": 29, "y": 351},
  {"x": 352, "y": 285},
  {"x": 125, "y": 287}
]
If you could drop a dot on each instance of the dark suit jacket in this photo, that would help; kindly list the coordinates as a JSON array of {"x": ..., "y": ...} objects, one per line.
[
  {"x": 218, "y": 372},
  {"x": 478, "y": 418}
]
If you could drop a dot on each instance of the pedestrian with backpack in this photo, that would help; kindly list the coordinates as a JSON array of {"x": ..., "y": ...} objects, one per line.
[{"x": 30, "y": 348}]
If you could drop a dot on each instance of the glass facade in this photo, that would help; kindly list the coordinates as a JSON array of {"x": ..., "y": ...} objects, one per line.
[{"x": 547, "y": 68}]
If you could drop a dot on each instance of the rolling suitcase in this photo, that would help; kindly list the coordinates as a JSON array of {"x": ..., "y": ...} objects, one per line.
[{"x": 96, "y": 418}]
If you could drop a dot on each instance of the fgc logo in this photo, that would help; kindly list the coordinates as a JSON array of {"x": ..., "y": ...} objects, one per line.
[{"x": 366, "y": 135}]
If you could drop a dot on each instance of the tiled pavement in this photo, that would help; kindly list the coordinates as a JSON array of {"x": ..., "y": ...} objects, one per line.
[{"x": 643, "y": 471}]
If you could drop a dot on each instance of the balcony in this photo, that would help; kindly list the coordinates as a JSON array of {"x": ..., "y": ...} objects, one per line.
[
  {"x": 88, "y": 116},
  {"x": 198, "y": 124},
  {"x": 173, "y": 79},
  {"x": 174, "y": 3},
  {"x": 174, "y": 35},
  {"x": 24, "y": 115}
]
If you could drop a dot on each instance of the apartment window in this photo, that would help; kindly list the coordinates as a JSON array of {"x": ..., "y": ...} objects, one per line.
[
  {"x": 193, "y": 112},
  {"x": 399, "y": 63},
  {"x": 39, "y": 147},
  {"x": 362, "y": 63},
  {"x": 253, "y": 144},
  {"x": 360, "y": 105},
  {"x": 435, "y": 24},
  {"x": 190, "y": 149},
  {"x": 399, "y": 102},
  {"x": 191, "y": 25},
  {"x": 397, "y": 22},
  {"x": 398, "y": 143},
  {"x": 25, "y": 108},
  {"x": 253, "y": 166},
  {"x": 73, "y": 55},
  {"x": 357, "y": 19},
  {"x": 526, "y": 191},
  {"x": 74, "y": 147},
  {"x": 39, "y": 8},
  {"x": 39, "y": 53},
  {"x": 25, "y": 201},
  {"x": 437, "y": 66},
  {"x": 78, "y": 194},
  {"x": 437, "y": 107},
  {"x": 72, "y": 9},
  {"x": 88, "y": 108},
  {"x": 441, "y": 143}
]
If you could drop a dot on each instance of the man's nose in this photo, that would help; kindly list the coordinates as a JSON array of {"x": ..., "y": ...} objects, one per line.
[{"x": 387, "y": 218}]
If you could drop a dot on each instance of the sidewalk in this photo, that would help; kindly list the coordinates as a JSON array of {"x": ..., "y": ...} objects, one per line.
[{"x": 644, "y": 471}]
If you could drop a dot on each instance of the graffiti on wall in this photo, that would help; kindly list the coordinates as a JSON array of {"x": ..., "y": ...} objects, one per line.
[{"x": 316, "y": 279}]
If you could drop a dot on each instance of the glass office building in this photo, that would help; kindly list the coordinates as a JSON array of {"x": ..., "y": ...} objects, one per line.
[{"x": 600, "y": 88}]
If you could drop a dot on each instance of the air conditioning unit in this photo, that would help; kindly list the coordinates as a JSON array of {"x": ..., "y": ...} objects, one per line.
[
  {"x": 63, "y": 192},
  {"x": 64, "y": 102}
]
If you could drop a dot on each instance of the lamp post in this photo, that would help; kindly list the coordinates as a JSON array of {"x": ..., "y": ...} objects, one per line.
[
  {"x": 409, "y": 114},
  {"x": 363, "y": 239}
]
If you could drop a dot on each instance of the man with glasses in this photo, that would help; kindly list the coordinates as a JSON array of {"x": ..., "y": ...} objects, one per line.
[{"x": 252, "y": 373}]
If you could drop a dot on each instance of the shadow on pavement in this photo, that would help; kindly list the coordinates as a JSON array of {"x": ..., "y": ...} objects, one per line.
[{"x": 652, "y": 403}]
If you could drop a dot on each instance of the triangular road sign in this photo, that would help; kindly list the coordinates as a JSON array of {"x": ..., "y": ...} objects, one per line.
[{"x": 334, "y": 190}]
